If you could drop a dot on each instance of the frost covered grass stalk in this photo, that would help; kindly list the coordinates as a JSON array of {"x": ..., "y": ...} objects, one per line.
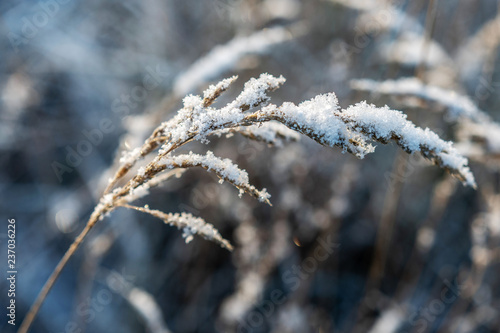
[
  {"x": 353, "y": 130},
  {"x": 223, "y": 57},
  {"x": 476, "y": 127}
]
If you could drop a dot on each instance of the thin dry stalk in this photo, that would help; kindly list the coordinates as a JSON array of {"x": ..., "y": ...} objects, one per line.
[
  {"x": 430, "y": 20},
  {"x": 30, "y": 316}
]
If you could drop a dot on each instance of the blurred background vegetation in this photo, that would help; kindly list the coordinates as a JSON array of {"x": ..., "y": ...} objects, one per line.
[{"x": 412, "y": 249}]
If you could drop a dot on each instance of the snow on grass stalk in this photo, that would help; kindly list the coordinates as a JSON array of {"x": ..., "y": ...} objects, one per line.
[
  {"x": 189, "y": 224},
  {"x": 143, "y": 189},
  {"x": 353, "y": 130},
  {"x": 273, "y": 133},
  {"x": 319, "y": 118},
  {"x": 478, "y": 133},
  {"x": 384, "y": 125},
  {"x": 223, "y": 57},
  {"x": 215, "y": 90},
  {"x": 457, "y": 105},
  {"x": 225, "y": 169}
]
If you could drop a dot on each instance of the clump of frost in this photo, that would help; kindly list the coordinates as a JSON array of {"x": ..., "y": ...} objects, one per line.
[
  {"x": 214, "y": 90},
  {"x": 223, "y": 167},
  {"x": 318, "y": 119},
  {"x": 220, "y": 86},
  {"x": 383, "y": 124},
  {"x": 130, "y": 157},
  {"x": 196, "y": 121},
  {"x": 191, "y": 225},
  {"x": 255, "y": 91},
  {"x": 141, "y": 171}
]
